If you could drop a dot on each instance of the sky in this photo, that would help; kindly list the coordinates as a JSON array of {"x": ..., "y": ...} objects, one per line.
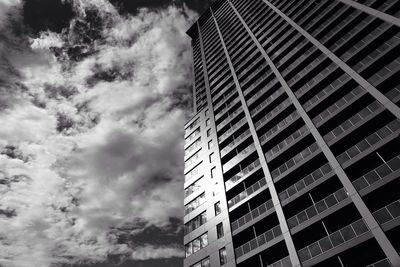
[{"x": 93, "y": 98}]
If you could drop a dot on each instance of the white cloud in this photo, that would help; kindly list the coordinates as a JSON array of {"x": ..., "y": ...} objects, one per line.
[
  {"x": 117, "y": 159},
  {"x": 151, "y": 252}
]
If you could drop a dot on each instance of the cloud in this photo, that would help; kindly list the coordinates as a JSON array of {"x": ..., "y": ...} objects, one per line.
[
  {"x": 151, "y": 252},
  {"x": 91, "y": 143}
]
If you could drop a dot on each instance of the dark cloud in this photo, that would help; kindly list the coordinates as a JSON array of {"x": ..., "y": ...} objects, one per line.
[
  {"x": 133, "y": 6},
  {"x": 14, "y": 153},
  {"x": 43, "y": 15},
  {"x": 109, "y": 74}
]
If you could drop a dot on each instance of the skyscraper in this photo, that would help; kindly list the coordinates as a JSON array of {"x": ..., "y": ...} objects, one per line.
[{"x": 293, "y": 155}]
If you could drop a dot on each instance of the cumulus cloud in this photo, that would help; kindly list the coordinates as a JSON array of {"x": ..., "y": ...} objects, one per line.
[{"x": 91, "y": 142}]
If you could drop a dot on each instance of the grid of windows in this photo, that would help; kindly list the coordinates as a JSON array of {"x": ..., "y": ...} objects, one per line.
[
  {"x": 203, "y": 263},
  {"x": 316, "y": 84},
  {"x": 195, "y": 203},
  {"x": 193, "y": 187},
  {"x": 196, "y": 244},
  {"x": 195, "y": 223}
]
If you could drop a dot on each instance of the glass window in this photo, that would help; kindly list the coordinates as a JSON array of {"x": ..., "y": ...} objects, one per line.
[
  {"x": 203, "y": 240},
  {"x": 195, "y": 223},
  {"x": 217, "y": 207},
  {"x": 207, "y": 122},
  {"x": 206, "y": 112},
  {"x": 196, "y": 245},
  {"x": 212, "y": 157},
  {"x": 222, "y": 256},
  {"x": 220, "y": 230},
  {"x": 208, "y": 132},
  {"x": 213, "y": 172},
  {"x": 203, "y": 263},
  {"x": 193, "y": 187},
  {"x": 210, "y": 144},
  {"x": 188, "y": 249}
]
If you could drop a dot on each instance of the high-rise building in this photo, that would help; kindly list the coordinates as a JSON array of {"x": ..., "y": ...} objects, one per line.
[{"x": 293, "y": 155}]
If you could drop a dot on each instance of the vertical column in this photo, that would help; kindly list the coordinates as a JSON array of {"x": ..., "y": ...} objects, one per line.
[
  {"x": 221, "y": 185},
  {"x": 373, "y": 12},
  {"x": 356, "y": 198},
  {"x": 275, "y": 199},
  {"x": 346, "y": 68}
]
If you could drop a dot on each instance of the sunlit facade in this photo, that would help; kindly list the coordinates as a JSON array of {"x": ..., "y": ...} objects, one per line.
[{"x": 293, "y": 155}]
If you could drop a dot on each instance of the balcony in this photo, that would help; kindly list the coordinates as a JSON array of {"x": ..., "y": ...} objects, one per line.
[
  {"x": 305, "y": 183},
  {"x": 228, "y": 132},
  {"x": 388, "y": 213},
  {"x": 334, "y": 240},
  {"x": 279, "y": 127},
  {"x": 243, "y": 72},
  {"x": 235, "y": 142},
  {"x": 338, "y": 106},
  {"x": 306, "y": 153},
  {"x": 279, "y": 148},
  {"x": 327, "y": 91},
  {"x": 267, "y": 100},
  {"x": 317, "y": 208},
  {"x": 358, "y": 118},
  {"x": 235, "y": 160},
  {"x": 253, "y": 214},
  {"x": 229, "y": 118},
  {"x": 272, "y": 113},
  {"x": 377, "y": 174},
  {"x": 381, "y": 134},
  {"x": 381, "y": 263},
  {"x": 233, "y": 180},
  {"x": 265, "y": 89},
  {"x": 258, "y": 241},
  {"x": 227, "y": 107},
  {"x": 285, "y": 262},
  {"x": 247, "y": 192},
  {"x": 256, "y": 83}
]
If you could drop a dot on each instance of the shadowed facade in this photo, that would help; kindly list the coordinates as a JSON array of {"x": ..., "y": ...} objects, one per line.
[{"x": 293, "y": 155}]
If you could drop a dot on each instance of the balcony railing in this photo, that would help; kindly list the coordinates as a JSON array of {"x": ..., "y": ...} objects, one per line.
[
  {"x": 266, "y": 88},
  {"x": 387, "y": 213},
  {"x": 331, "y": 241},
  {"x": 304, "y": 183},
  {"x": 353, "y": 120},
  {"x": 233, "y": 128},
  {"x": 381, "y": 263},
  {"x": 285, "y": 143},
  {"x": 338, "y": 105},
  {"x": 258, "y": 241},
  {"x": 327, "y": 91},
  {"x": 306, "y": 69},
  {"x": 317, "y": 208},
  {"x": 227, "y": 107},
  {"x": 229, "y": 183},
  {"x": 229, "y": 117},
  {"x": 285, "y": 262},
  {"x": 377, "y": 174},
  {"x": 270, "y": 114},
  {"x": 234, "y": 142},
  {"x": 316, "y": 79},
  {"x": 368, "y": 142},
  {"x": 267, "y": 100},
  {"x": 251, "y": 215},
  {"x": 256, "y": 83},
  {"x": 295, "y": 160},
  {"x": 239, "y": 157},
  {"x": 247, "y": 192},
  {"x": 278, "y": 127}
]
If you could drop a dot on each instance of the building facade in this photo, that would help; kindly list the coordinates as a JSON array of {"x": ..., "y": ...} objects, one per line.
[{"x": 293, "y": 155}]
